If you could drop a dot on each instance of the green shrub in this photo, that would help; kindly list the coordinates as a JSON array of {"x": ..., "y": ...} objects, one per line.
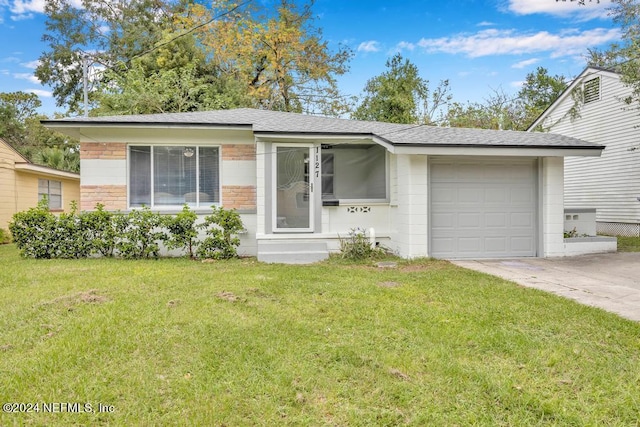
[
  {"x": 71, "y": 236},
  {"x": 5, "y": 236},
  {"x": 33, "y": 231},
  {"x": 182, "y": 231},
  {"x": 357, "y": 246},
  {"x": 221, "y": 228},
  {"x": 139, "y": 234},
  {"x": 101, "y": 230}
]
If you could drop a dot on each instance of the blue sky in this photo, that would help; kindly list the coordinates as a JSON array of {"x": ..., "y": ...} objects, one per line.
[{"x": 479, "y": 45}]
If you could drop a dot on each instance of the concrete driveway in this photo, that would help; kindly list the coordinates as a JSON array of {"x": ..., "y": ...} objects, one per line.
[{"x": 609, "y": 281}]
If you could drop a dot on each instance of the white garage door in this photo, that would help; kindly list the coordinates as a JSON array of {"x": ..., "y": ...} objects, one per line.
[{"x": 483, "y": 208}]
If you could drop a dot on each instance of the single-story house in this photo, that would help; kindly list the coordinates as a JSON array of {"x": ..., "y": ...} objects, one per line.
[
  {"x": 303, "y": 182},
  {"x": 23, "y": 184},
  {"x": 593, "y": 108}
]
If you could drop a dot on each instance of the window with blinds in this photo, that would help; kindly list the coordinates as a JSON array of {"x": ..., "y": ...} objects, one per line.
[{"x": 169, "y": 176}]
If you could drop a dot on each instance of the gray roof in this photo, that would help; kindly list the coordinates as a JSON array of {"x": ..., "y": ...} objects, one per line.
[{"x": 264, "y": 121}]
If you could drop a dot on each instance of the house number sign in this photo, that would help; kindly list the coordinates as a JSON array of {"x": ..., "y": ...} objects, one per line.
[{"x": 316, "y": 163}]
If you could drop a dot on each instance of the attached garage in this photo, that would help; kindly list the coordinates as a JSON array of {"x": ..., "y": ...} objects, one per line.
[{"x": 483, "y": 207}]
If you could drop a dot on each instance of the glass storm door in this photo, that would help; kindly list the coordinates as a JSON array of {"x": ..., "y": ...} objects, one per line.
[{"x": 294, "y": 191}]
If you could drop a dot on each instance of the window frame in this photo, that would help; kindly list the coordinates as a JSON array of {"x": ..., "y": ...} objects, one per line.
[
  {"x": 198, "y": 205},
  {"x": 343, "y": 200},
  {"x": 48, "y": 194}
]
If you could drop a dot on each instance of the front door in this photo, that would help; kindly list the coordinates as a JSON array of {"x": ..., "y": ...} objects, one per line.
[{"x": 293, "y": 189}]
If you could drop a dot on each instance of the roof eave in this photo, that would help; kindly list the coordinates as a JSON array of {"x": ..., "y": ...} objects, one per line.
[
  {"x": 497, "y": 150},
  {"x": 46, "y": 171}
]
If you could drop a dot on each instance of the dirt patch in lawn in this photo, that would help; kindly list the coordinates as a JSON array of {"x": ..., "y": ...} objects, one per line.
[
  {"x": 388, "y": 284},
  {"x": 91, "y": 296}
]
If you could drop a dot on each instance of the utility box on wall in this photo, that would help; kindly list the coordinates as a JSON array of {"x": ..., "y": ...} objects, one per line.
[{"x": 582, "y": 220}]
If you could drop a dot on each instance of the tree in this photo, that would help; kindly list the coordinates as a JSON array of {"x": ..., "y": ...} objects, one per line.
[
  {"x": 400, "y": 95},
  {"x": 185, "y": 55},
  {"x": 59, "y": 158},
  {"x": 107, "y": 33},
  {"x": 538, "y": 92},
  {"x": 280, "y": 61},
  {"x": 498, "y": 111},
  {"x": 15, "y": 108},
  {"x": 20, "y": 127},
  {"x": 502, "y": 111}
]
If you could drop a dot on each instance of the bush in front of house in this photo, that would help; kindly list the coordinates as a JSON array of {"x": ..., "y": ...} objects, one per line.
[
  {"x": 183, "y": 233},
  {"x": 356, "y": 246},
  {"x": 33, "y": 231},
  {"x": 102, "y": 230},
  {"x": 221, "y": 228},
  {"x": 138, "y": 234}
]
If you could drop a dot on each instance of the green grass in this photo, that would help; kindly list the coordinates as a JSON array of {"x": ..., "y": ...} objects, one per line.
[
  {"x": 178, "y": 342},
  {"x": 628, "y": 244}
]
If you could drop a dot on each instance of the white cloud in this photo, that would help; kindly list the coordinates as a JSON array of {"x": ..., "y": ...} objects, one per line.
[
  {"x": 31, "y": 64},
  {"x": 405, "y": 46},
  {"x": 509, "y": 42},
  {"x": 591, "y": 10},
  {"x": 27, "y": 76},
  {"x": 24, "y": 9},
  {"x": 40, "y": 92},
  {"x": 517, "y": 84},
  {"x": 525, "y": 63},
  {"x": 368, "y": 46},
  {"x": 485, "y": 24}
]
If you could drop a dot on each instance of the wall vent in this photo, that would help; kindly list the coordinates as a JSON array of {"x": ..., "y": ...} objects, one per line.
[{"x": 591, "y": 90}]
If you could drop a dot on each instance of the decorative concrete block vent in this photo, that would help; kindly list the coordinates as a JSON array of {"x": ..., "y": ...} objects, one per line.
[{"x": 580, "y": 229}]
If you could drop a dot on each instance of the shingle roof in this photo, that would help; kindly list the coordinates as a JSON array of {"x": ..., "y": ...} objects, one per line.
[{"x": 264, "y": 121}]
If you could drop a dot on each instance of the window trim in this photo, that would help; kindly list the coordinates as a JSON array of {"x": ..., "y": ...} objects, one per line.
[{"x": 152, "y": 205}]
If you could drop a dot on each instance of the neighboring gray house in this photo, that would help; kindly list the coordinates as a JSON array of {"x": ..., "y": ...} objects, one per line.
[
  {"x": 300, "y": 182},
  {"x": 592, "y": 109}
]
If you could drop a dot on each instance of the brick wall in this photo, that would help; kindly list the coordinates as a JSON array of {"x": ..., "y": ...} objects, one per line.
[
  {"x": 238, "y": 152},
  {"x": 103, "y": 150},
  {"x": 241, "y": 197},
  {"x": 113, "y": 197}
]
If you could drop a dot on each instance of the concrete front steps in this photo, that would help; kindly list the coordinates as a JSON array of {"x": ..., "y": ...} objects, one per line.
[{"x": 292, "y": 251}]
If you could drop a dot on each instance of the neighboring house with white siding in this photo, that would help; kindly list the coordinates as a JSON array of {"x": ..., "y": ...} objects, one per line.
[
  {"x": 302, "y": 182},
  {"x": 23, "y": 184},
  {"x": 593, "y": 109}
]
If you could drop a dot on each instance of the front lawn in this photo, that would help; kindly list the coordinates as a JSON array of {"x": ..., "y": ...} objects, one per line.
[{"x": 178, "y": 342}]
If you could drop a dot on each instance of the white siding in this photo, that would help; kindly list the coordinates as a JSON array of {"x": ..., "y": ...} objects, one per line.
[{"x": 610, "y": 183}]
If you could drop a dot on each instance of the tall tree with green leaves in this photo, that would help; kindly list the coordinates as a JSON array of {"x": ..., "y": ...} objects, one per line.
[
  {"x": 20, "y": 127},
  {"x": 504, "y": 111},
  {"x": 185, "y": 55},
  {"x": 280, "y": 59},
  {"x": 107, "y": 34},
  {"x": 537, "y": 93},
  {"x": 400, "y": 95}
]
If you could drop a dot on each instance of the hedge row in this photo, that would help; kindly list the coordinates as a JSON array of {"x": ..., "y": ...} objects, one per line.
[{"x": 137, "y": 234}]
